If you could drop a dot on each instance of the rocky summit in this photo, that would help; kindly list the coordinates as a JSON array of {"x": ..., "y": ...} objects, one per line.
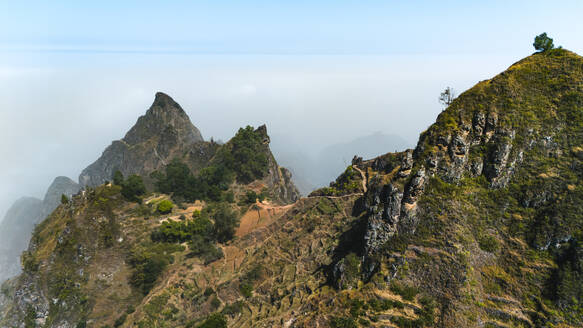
[
  {"x": 164, "y": 132},
  {"x": 479, "y": 226}
]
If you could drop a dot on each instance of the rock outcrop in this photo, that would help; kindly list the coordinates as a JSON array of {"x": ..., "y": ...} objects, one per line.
[
  {"x": 164, "y": 132},
  {"x": 19, "y": 222},
  {"x": 479, "y": 226}
]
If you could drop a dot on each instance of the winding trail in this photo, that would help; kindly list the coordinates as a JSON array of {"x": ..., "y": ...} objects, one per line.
[{"x": 363, "y": 177}]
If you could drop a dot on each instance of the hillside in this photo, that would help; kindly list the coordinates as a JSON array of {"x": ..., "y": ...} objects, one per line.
[
  {"x": 479, "y": 226},
  {"x": 19, "y": 221},
  {"x": 164, "y": 133}
]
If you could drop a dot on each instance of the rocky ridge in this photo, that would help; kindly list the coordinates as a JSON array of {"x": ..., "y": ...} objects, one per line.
[
  {"x": 478, "y": 226},
  {"x": 24, "y": 214},
  {"x": 164, "y": 132}
]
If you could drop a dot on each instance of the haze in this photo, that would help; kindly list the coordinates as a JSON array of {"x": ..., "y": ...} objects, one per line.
[{"x": 74, "y": 77}]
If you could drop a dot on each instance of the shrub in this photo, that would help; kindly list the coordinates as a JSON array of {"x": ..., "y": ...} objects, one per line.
[
  {"x": 341, "y": 322},
  {"x": 64, "y": 199},
  {"x": 488, "y": 243},
  {"x": 407, "y": 292},
  {"x": 351, "y": 275},
  {"x": 120, "y": 321},
  {"x": 118, "y": 178},
  {"x": 233, "y": 309},
  {"x": 215, "y": 320},
  {"x": 215, "y": 303},
  {"x": 133, "y": 187},
  {"x": 226, "y": 221},
  {"x": 165, "y": 207},
  {"x": 148, "y": 263},
  {"x": 251, "y": 197},
  {"x": 205, "y": 249},
  {"x": 247, "y": 281}
]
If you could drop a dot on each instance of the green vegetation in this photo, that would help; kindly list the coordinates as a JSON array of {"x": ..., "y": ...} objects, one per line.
[
  {"x": 407, "y": 292},
  {"x": 349, "y": 182},
  {"x": 243, "y": 159},
  {"x": 149, "y": 262},
  {"x": 543, "y": 43},
  {"x": 245, "y": 156},
  {"x": 64, "y": 199},
  {"x": 215, "y": 320},
  {"x": 380, "y": 305},
  {"x": 133, "y": 187},
  {"x": 447, "y": 97},
  {"x": 248, "y": 279},
  {"x": 342, "y": 322},
  {"x": 233, "y": 309},
  {"x": 217, "y": 222},
  {"x": 489, "y": 243},
  {"x": 179, "y": 181},
  {"x": 165, "y": 207},
  {"x": 568, "y": 277},
  {"x": 351, "y": 276},
  {"x": 182, "y": 231},
  {"x": 118, "y": 178},
  {"x": 226, "y": 221},
  {"x": 251, "y": 197}
]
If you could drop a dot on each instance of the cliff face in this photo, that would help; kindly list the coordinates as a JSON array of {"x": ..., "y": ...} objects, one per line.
[
  {"x": 484, "y": 215},
  {"x": 479, "y": 226},
  {"x": 164, "y": 132},
  {"x": 79, "y": 255},
  {"x": 15, "y": 232},
  {"x": 17, "y": 226}
]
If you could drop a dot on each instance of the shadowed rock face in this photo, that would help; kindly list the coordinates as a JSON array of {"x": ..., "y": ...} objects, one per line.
[
  {"x": 162, "y": 133},
  {"x": 15, "y": 233},
  {"x": 60, "y": 186},
  {"x": 25, "y": 213},
  {"x": 479, "y": 226}
]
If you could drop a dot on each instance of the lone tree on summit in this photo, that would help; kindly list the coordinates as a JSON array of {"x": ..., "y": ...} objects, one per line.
[
  {"x": 543, "y": 43},
  {"x": 447, "y": 97}
]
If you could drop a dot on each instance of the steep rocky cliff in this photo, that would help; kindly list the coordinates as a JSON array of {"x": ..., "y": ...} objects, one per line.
[
  {"x": 484, "y": 215},
  {"x": 479, "y": 226},
  {"x": 164, "y": 132}
]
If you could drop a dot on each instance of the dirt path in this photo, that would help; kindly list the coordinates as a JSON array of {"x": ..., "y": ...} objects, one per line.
[{"x": 363, "y": 177}]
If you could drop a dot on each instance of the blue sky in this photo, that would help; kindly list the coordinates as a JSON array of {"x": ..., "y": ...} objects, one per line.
[
  {"x": 288, "y": 27},
  {"x": 75, "y": 75}
]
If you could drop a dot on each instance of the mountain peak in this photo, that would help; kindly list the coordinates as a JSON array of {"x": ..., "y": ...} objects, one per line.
[
  {"x": 164, "y": 116},
  {"x": 163, "y": 100},
  {"x": 163, "y": 131}
]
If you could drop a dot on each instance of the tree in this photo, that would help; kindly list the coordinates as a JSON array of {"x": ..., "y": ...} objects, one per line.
[
  {"x": 447, "y": 96},
  {"x": 133, "y": 187},
  {"x": 117, "y": 178},
  {"x": 165, "y": 207},
  {"x": 543, "y": 43},
  {"x": 64, "y": 199},
  {"x": 226, "y": 220}
]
